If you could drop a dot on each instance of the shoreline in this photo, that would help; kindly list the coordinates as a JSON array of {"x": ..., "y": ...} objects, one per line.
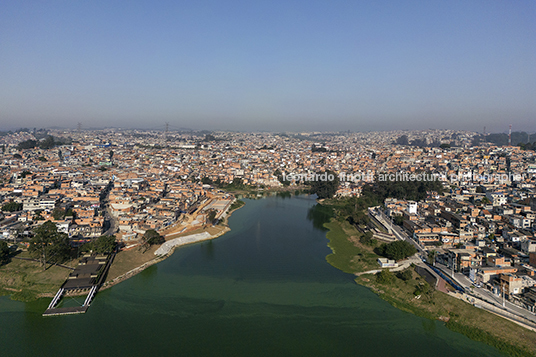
[
  {"x": 108, "y": 284},
  {"x": 159, "y": 258},
  {"x": 11, "y": 291},
  {"x": 455, "y": 321}
]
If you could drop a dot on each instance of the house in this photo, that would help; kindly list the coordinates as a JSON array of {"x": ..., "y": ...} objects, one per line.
[
  {"x": 528, "y": 246},
  {"x": 387, "y": 263},
  {"x": 511, "y": 284}
]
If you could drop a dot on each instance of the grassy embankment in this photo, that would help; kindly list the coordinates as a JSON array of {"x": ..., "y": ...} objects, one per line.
[
  {"x": 26, "y": 280},
  {"x": 236, "y": 205},
  {"x": 350, "y": 256}
]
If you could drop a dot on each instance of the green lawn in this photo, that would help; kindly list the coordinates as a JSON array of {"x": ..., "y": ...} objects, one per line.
[
  {"x": 25, "y": 280},
  {"x": 349, "y": 255}
]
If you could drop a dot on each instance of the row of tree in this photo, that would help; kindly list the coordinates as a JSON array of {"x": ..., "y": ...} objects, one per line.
[
  {"x": 403, "y": 140},
  {"x": 402, "y": 189},
  {"x": 101, "y": 245},
  {"x": 12, "y": 207},
  {"x": 60, "y": 213},
  {"x": 50, "y": 246},
  {"x": 46, "y": 144},
  {"x": 4, "y": 252},
  {"x": 501, "y": 139},
  {"x": 396, "y": 250}
]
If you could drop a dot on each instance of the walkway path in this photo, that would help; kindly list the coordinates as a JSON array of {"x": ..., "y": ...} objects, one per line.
[
  {"x": 414, "y": 259},
  {"x": 170, "y": 244}
]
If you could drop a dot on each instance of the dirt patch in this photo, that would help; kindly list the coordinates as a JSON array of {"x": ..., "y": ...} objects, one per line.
[{"x": 127, "y": 260}]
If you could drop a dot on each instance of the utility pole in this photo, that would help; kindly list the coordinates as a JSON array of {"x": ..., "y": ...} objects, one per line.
[
  {"x": 502, "y": 285},
  {"x": 453, "y": 259}
]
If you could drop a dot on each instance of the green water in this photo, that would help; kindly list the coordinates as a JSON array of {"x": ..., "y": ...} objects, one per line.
[{"x": 263, "y": 289}]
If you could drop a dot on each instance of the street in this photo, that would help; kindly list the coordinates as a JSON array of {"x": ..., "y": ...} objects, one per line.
[
  {"x": 396, "y": 230},
  {"x": 463, "y": 280},
  {"x": 486, "y": 295}
]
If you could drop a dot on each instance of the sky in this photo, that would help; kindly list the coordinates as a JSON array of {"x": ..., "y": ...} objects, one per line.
[{"x": 269, "y": 65}]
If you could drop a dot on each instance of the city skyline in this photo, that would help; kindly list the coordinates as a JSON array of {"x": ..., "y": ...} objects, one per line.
[{"x": 284, "y": 66}]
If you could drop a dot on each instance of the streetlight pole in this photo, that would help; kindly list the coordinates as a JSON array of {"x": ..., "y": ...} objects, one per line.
[
  {"x": 453, "y": 259},
  {"x": 502, "y": 285}
]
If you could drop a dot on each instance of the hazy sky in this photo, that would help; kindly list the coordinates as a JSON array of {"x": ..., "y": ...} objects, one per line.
[{"x": 269, "y": 65}]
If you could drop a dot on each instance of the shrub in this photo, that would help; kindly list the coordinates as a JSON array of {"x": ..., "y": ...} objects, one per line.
[{"x": 384, "y": 277}]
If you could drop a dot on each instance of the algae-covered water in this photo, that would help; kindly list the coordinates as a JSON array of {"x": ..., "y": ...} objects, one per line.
[{"x": 263, "y": 289}]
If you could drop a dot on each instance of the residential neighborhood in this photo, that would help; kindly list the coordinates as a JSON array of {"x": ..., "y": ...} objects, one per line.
[{"x": 125, "y": 182}]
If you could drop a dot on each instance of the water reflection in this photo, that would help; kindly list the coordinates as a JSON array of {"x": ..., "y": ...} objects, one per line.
[
  {"x": 208, "y": 250},
  {"x": 320, "y": 214},
  {"x": 284, "y": 194}
]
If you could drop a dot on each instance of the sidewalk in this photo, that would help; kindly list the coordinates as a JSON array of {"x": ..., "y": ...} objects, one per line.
[{"x": 406, "y": 263}]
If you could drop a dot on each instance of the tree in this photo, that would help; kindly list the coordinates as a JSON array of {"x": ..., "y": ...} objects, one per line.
[
  {"x": 423, "y": 288},
  {"x": 104, "y": 244},
  {"x": 49, "y": 245},
  {"x": 367, "y": 239},
  {"x": 397, "y": 250},
  {"x": 315, "y": 148},
  {"x": 209, "y": 137},
  {"x": 48, "y": 143},
  {"x": 431, "y": 256},
  {"x": 406, "y": 274},
  {"x": 384, "y": 277},
  {"x": 4, "y": 252},
  {"x": 70, "y": 213},
  {"x": 385, "y": 187},
  {"x": 444, "y": 146},
  {"x": 12, "y": 207},
  {"x": 402, "y": 140},
  {"x": 237, "y": 181},
  {"x": 151, "y": 237},
  {"x": 399, "y": 220},
  {"x": 37, "y": 216},
  {"x": 279, "y": 175},
  {"x": 206, "y": 180},
  {"x": 28, "y": 144},
  {"x": 58, "y": 213},
  {"x": 326, "y": 184},
  {"x": 211, "y": 216}
]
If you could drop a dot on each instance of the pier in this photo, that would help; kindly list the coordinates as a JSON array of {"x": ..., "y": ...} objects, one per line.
[{"x": 87, "y": 277}]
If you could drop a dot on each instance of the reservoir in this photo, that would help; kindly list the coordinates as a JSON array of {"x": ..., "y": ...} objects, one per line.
[{"x": 263, "y": 289}]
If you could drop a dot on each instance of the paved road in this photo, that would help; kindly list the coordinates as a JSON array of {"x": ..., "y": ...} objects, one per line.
[
  {"x": 397, "y": 230},
  {"x": 406, "y": 263},
  {"x": 481, "y": 293},
  {"x": 110, "y": 222},
  {"x": 487, "y": 295}
]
